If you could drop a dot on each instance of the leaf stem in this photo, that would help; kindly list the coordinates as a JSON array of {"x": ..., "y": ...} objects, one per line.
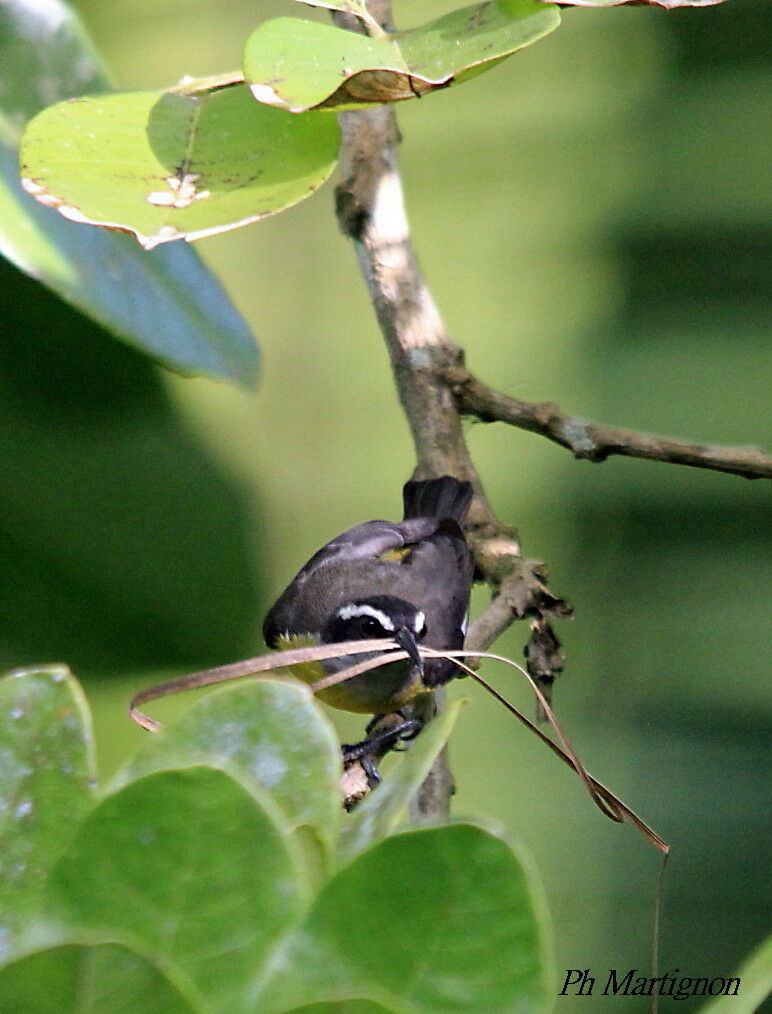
[{"x": 374, "y": 30}]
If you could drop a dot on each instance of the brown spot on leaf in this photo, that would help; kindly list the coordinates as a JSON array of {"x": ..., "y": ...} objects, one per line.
[{"x": 477, "y": 17}]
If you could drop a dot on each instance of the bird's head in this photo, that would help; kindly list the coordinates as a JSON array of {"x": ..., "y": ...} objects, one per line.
[{"x": 380, "y": 616}]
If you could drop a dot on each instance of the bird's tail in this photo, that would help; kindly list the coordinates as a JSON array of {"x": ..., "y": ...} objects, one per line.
[{"x": 445, "y": 497}]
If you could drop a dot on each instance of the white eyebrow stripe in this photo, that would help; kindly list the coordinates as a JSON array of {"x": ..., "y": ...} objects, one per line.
[
  {"x": 419, "y": 622},
  {"x": 352, "y": 611}
]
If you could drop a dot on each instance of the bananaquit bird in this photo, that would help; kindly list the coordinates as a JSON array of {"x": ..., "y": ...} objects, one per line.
[{"x": 407, "y": 580}]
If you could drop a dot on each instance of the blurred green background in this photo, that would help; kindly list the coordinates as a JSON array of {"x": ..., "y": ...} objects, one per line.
[{"x": 593, "y": 218}]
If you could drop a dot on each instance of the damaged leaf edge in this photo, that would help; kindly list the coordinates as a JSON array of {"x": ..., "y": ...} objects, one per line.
[{"x": 267, "y": 95}]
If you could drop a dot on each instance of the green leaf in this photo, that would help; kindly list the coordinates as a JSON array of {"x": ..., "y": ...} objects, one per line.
[
  {"x": 755, "y": 975},
  {"x": 46, "y": 784},
  {"x": 270, "y": 732},
  {"x": 192, "y": 866},
  {"x": 300, "y": 65},
  {"x": 342, "y": 1007},
  {"x": 386, "y": 808},
  {"x": 440, "y": 919},
  {"x": 89, "y": 979},
  {"x": 186, "y": 320},
  {"x": 174, "y": 165}
]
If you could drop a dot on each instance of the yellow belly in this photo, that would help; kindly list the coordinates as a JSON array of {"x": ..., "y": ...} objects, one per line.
[{"x": 376, "y": 692}]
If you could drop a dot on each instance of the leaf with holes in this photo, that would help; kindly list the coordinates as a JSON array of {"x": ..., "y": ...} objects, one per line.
[
  {"x": 174, "y": 165},
  {"x": 301, "y": 65}
]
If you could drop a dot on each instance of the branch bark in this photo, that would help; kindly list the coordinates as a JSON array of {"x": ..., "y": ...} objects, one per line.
[{"x": 593, "y": 442}]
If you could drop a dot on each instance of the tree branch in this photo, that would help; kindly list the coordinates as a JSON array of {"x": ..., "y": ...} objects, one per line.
[
  {"x": 596, "y": 443},
  {"x": 370, "y": 210}
]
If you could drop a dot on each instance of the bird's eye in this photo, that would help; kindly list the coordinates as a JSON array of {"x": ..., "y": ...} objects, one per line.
[{"x": 371, "y": 627}]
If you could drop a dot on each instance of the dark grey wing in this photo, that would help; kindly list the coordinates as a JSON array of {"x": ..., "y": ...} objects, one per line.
[
  {"x": 441, "y": 570},
  {"x": 366, "y": 541}
]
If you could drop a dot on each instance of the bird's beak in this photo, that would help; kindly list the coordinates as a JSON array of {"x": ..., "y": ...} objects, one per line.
[{"x": 405, "y": 638}]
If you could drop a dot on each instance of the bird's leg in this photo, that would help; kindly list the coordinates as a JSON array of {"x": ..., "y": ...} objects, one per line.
[
  {"x": 384, "y": 733},
  {"x": 403, "y": 724},
  {"x": 368, "y": 750}
]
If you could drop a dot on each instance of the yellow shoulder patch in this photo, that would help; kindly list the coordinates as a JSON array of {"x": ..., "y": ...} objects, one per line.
[{"x": 395, "y": 554}]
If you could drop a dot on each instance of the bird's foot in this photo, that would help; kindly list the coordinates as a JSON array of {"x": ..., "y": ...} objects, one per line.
[{"x": 382, "y": 737}]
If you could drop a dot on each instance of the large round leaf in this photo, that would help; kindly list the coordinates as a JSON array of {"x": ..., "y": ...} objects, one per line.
[
  {"x": 89, "y": 979},
  {"x": 300, "y": 65},
  {"x": 269, "y": 731},
  {"x": 46, "y": 784},
  {"x": 444, "y": 919},
  {"x": 193, "y": 867},
  {"x": 174, "y": 165},
  {"x": 342, "y": 1007}
]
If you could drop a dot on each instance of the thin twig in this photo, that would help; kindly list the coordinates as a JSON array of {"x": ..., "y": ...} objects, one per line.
[{"x": 593, "y": 442}]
